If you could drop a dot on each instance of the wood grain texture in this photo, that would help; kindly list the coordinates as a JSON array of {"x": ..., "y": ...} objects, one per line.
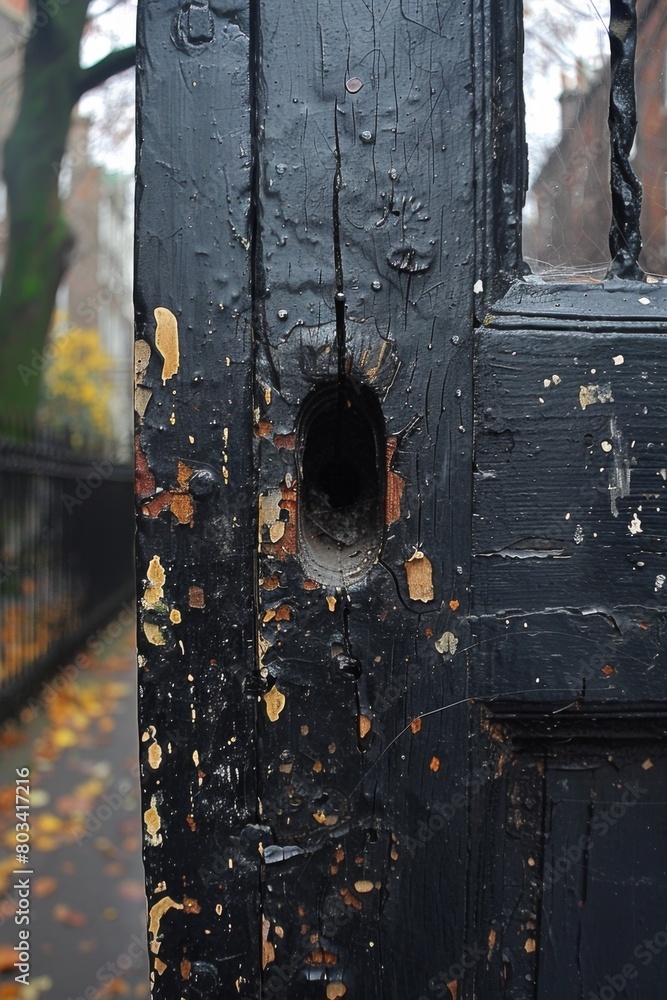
[
  {"x": 363, "y": 192},
  {"x": 375, "y": 713},
  {"x": 195, "y": 509}
]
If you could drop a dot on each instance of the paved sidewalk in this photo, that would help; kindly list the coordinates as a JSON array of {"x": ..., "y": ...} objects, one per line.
[{"x": 87, "y": 938}]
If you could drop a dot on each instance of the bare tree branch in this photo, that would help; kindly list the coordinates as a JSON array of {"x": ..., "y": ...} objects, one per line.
[{"x": 101, "y": 71}]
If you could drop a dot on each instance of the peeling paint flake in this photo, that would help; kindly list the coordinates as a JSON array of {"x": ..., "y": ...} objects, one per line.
[
  {"x": 166, "y": 341},
  {"x": 447, "y": 644},
  {"x": 156, "y": 578},
  {"x": 154, "y": 634},
  {"x": 419, "y": 573},
  {"x": 590, "y": 394},
  {"x": 156, "y": 913},
  {"x": 275, "y": 703},
  {"x": 635, "y": 526},
  {"x": 153, "y": 823}
]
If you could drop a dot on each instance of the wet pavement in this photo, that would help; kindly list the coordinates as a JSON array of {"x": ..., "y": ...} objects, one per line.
[{"x": 82, "y": 888}]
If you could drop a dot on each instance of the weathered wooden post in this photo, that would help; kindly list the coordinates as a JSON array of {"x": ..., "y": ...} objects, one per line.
[{"x": 353, "y": 705}]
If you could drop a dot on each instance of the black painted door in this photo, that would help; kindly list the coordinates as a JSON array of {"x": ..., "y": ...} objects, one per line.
[{"x": 401, "y": 632}]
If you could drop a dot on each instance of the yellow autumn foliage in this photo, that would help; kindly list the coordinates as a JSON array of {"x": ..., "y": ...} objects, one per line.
[{"x": 77, "y": 386}]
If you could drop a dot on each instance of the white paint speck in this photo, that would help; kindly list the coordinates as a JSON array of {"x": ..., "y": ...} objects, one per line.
[
  {"x": 618, "y": 359},
  {"x": 644, "y": 301},
  {"x": 606, "y": 445},
  {"x": 578, "y": 535},
  {"x": 547, "y": 383},
  {"x": 556, "y": 379},
  {"x": 660, "y": 581},
  {"x": 635, "y": 526},
  {"x": 567, "y": 516},
  {"x": 478, "y": 287}
]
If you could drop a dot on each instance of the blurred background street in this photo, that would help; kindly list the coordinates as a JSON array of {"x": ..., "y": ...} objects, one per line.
[{"x": 67, "y": 655}]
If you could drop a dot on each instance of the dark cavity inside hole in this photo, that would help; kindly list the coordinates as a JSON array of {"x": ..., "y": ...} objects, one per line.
[{"x": 341, "y": 489}]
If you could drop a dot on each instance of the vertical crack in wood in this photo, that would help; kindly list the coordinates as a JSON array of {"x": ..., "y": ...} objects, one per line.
[
  {"x": 338, "y": 259},
  {"x": 625, "y": 240},
  {"x": 257, "y": 295}
]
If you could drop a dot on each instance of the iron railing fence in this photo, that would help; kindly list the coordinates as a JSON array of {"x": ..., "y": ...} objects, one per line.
[{"x": 66, "y": 558}]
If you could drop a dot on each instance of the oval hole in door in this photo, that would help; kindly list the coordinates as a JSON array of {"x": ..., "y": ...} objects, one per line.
[{"x": 341, "y": 486}]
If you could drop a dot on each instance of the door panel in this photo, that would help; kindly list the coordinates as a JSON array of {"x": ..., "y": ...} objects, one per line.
[{"x": 400, "y": 544}]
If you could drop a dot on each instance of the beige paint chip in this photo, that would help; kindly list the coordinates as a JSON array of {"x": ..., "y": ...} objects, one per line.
[
  {"x": 335, "y": 990},
  {"x": 156, "y": 578},
  {"x": 154, "y": 634},
  {"x": 364, "y": 885},
  {"x": 447, "y": 643},
  {"x": 166, "y": 341},
  {"x": 275, "y": 703},
  {"x": 157, "y": 911},
  {"x": 153, "y": 823},
  {"x": 419, "y": 573},
  {"x": 590, "y": 394}
]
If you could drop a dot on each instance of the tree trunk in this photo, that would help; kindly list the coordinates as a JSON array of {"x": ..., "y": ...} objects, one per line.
[{"x": 39, "y": 238}]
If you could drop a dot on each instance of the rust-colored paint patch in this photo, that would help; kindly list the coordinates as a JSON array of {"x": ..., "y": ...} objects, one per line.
[
  {"x": 491, "y": 943},
  {"x": 350, "y": 899},
  {"x": 155, "y": 915},
  {"x": 180, "y": 504},
  {"x": 159, "y": 966},
  {"x": 331, "y": 603},
  {"x": 608, "y": 670},
  {"x": 310, "y": 585},
  {"x": 286, "y": 441},
  {"x": 143, "y": 477},
  {"x": 186, "y": 967},
  {"x": 453, "y": 988},
  {"x": 283, "y": 613},
  {"x": 320, "y": 956},
  {"x": 435, "y": 764},
  {"x": 275, "y": 703},
  {"x": 282, "y": 540},
  {"x": 183, "y": 474},
  {"x": 263, "y": 428},
  {"x": 365, "y": 726},
  {"x": 454, "y": 605},
  {"x": 419, "y": 573},
  {"x": 271, "y": 582},
  {"x": 156, "y": 576},
  {"x": 153, "y": 823},
  {"x": 268, "y": 951},
  {"x": 530, "y": 945},
  {"x": 416, "y": 725},
  {"x": 335, "y": 990},
  {"x": 191, "y": 905},
  {"x": 166, "y": 341},
  {"x": 196, "y": 597},
  {"x": 395, "y": 484}
]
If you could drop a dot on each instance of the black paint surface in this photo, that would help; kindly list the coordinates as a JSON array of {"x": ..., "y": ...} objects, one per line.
[{"x": 352, "y": 759}]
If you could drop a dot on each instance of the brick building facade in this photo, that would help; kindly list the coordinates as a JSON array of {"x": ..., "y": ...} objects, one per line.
[{"x": 569, "y": 205}]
